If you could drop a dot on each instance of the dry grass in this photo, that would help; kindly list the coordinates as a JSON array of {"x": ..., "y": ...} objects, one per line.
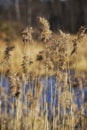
[
  {"x": 24, "y": 100},
  {"x": 33, "y": 50},
  {"x": 81, "y": 57},
  {"x": 17, "y": 55}
]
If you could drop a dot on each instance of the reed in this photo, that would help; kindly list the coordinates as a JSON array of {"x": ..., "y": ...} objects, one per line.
[{"x": 52, "y": 100}]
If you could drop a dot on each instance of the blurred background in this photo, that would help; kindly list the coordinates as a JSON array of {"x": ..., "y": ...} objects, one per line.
[{"x": 68, "y": 15}]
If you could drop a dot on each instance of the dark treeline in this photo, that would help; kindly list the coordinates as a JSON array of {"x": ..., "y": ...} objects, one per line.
[{"x": 68, "y": 15}]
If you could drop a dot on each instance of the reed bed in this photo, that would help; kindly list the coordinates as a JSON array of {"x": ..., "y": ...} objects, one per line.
[{"x": 53, "y": 100}]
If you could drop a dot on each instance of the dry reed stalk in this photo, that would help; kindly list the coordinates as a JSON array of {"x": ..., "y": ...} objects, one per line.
[
  {"x": 51, "y": 94},
  {"x": 45, "y": 32},
  {"x": 29, "y": 109}
]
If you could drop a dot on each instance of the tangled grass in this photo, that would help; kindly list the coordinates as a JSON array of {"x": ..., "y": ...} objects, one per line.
[{"x": 38, "y": 89}]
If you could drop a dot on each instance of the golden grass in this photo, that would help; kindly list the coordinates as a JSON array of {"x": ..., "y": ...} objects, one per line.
[
  {"x": 31, "y": 58},
  {"x": 81, "y": 57},
  {"x": 17, "y": 54},
  {"x": 33, "y": 50}
]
